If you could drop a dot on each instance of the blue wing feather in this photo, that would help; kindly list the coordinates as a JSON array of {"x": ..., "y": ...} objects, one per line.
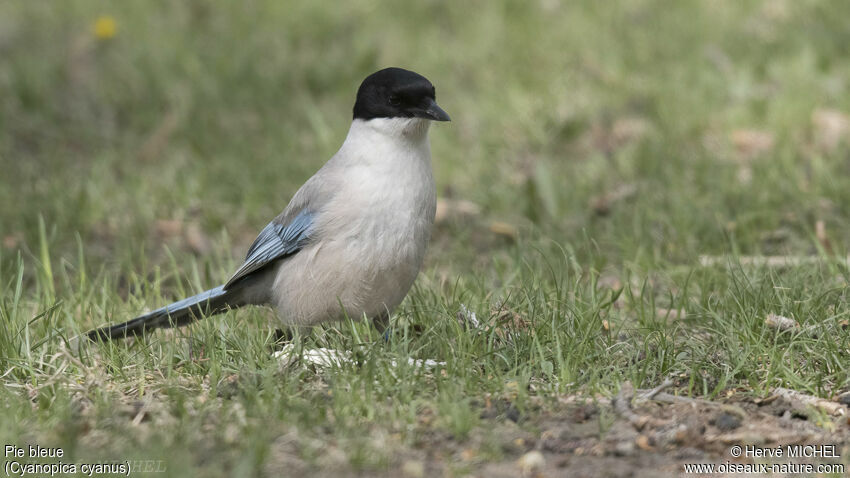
[{"x": 274, "y": 242}]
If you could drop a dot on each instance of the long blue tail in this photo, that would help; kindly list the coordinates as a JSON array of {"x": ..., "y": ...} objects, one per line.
[{"x": 180, "y": 313}]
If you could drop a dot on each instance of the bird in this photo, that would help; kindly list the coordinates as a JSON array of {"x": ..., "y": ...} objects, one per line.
[{"x": 352, "y": 239}]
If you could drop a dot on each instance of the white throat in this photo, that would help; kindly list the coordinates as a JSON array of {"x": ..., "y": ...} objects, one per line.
[{"x": 414, "y": 129}]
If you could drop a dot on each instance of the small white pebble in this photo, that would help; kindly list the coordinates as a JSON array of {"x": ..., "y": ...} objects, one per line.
[
  {"x": 531, "y": 462},
  {"x": 467, "y": 318},
  {"x": 413, "y": 469},
  {"x": 780, "y": 322}
]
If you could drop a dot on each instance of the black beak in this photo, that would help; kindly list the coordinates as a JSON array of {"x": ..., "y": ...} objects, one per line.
[{"x": 430, "y": 110}]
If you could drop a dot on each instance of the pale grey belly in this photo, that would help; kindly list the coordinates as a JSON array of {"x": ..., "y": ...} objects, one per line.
[{"x": 332, "y": 279}]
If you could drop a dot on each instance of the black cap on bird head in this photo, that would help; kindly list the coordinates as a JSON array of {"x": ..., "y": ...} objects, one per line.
[{"x": 397, "y": 93}]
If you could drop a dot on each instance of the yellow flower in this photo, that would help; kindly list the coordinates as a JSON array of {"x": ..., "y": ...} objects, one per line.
[{"x": 105, "y": 27}]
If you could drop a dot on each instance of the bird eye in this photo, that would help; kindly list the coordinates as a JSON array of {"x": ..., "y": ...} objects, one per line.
[{"x": 395, "y": 100}]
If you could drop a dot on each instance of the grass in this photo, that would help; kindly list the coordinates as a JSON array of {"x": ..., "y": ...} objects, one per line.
[{"x": 136, "y": 170}]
